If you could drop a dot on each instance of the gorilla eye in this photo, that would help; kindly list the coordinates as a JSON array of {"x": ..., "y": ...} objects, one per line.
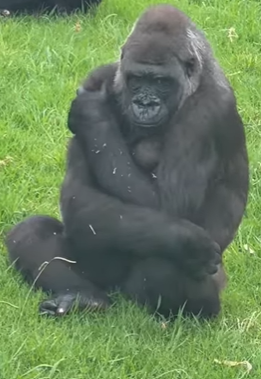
[
  {"x": 134, "y": 82},
  {"x": 190, "y": 66},
  {"x": 163, "y": 83}
]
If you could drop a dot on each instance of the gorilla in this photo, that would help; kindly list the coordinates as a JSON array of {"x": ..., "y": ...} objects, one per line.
[
  {"x": 156, "y": 181},
  {"x": 31, "y": 6}
]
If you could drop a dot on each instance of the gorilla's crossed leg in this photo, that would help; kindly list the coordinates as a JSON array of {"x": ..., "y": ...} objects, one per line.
[
  {"x": 152, "y": 223},
  {"x": 45, "y": 258},
  {"x": 43, "y": 255}
]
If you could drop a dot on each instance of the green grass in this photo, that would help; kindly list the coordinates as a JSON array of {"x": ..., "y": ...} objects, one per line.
[{"x": 42, "y": 61}]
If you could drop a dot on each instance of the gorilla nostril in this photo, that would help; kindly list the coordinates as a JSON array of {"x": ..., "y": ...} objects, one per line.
[
  {"x": 146, "y": 102},
  {"x": 138, "y": 103}
]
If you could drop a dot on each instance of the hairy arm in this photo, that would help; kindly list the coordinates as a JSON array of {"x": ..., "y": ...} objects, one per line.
[
  {"x": 98, "y": 223},
  {"x": 225, "y": 203},
  {"x": 98, "y": 132},
  {"x": 203, "y": 175}
]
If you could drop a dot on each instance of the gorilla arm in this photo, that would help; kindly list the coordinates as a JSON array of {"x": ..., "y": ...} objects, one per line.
[
  {"x": 98, "y": 77},
  {"x": 99, "y": 224},
  {"x": 95, "y": 126},
  {"x": 223, "y": 209},
  {"x": 207, "y": 166},
  {"x": 226, "y": 201}
]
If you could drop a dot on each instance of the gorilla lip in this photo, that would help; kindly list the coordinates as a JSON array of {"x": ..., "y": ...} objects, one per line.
[{"x": 141, "y": 113}]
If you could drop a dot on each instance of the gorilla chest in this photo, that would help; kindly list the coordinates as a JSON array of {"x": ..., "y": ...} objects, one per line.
[{"x": 146, "y": 153}]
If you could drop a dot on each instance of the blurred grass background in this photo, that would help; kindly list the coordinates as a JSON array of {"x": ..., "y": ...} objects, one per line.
[{"x": 42, "y": 62}]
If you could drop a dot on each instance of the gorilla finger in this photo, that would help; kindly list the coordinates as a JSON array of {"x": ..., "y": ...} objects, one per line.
[
  {"x": 48, "y": 307},
  {"x": 64, "y": 307},
  {"x": 217, "y": 248}
]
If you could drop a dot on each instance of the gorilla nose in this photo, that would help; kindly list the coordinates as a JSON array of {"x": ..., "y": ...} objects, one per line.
[{"x": 147, "y": 101}]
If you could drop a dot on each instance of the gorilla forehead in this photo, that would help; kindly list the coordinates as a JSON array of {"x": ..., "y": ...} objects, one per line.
[
  {"x": 163, "y": 18},
  {"x": 154, "y": 50},
  {"x": 161, "y": 32}
]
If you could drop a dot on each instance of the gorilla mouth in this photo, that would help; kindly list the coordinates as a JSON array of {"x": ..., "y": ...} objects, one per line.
[{"x": 146, "y": 116}]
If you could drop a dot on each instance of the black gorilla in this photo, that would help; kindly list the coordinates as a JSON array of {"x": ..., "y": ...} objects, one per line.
[
  {"x": 156, "y": 182},
  {"x": 47, "y": 5}
]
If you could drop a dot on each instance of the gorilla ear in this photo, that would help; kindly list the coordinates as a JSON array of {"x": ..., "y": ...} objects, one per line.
[{"x": 190, "y": 66}]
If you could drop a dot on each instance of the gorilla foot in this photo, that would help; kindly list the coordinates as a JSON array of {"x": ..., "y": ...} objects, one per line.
[{"x": 63, "y": 303}]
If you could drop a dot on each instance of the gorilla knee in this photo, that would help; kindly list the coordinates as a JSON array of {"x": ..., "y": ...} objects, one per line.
[{"x": 33, "y": 241}]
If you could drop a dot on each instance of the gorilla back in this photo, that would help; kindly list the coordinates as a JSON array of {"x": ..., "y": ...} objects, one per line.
[
  {"x": 46, "y": 5},
  {"x": 156, "y": 181}
]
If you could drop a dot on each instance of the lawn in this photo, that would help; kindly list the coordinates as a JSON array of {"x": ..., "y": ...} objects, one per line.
[{"x": 42, "y": 61}]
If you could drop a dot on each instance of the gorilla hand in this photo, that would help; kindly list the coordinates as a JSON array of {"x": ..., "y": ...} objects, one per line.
[
  {"x": 203, "y": 258},
  {"x": 64, "y": 302},
  {"x": 88, "y": 109},
  {"x": 196, "y": 252}
]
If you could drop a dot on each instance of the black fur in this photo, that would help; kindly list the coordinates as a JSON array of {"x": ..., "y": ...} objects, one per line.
[
  {"x": 148, "y": 206},
  {"x": 32, "y": 6}
]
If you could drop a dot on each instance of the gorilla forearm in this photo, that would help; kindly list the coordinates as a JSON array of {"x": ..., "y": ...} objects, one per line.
[
  {"x": 183, "y": 179},
  {"x": 224, "y": 207},
  {"x": 125, "y": 228},
  {"x": 107, "y": 226},
  {"x": 222, "y": 215},
  {"x": 109, "y": 160},
  {"x": 207, "y": 181}
]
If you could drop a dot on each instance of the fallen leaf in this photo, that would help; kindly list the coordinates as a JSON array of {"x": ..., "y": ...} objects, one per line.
[
  {"x": 246, "y": 364},
  {"x": 248, "y": 249},
  {"x": 77, "y": 27},
  {"x": 6, "y": 161},
  {"x": 232, "y": 34}
]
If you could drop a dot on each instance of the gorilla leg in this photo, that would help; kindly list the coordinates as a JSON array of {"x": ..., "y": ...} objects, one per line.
[
  {"x": 40, "y": 239},
  {"x": 162, "y": 287}
]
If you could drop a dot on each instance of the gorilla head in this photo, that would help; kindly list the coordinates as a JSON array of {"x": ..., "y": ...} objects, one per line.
[{"x": 161, "y": 65}]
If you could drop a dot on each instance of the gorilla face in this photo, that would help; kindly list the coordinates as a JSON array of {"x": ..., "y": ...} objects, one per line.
[
  {"x": 152, "y": 92},
  {"x": 161, "y": 65}
]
